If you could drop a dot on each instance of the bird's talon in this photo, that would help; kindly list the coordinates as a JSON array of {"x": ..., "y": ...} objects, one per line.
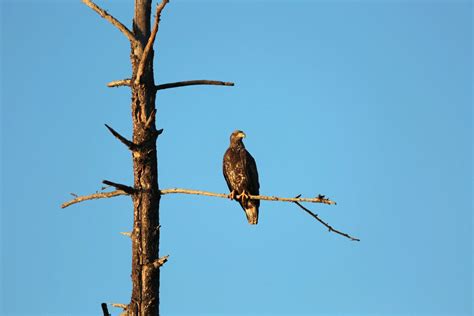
[{"x": 243, "y": 196}]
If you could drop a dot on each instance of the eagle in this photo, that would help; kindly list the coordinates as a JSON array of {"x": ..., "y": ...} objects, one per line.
[{"x": 240, "y": 173}]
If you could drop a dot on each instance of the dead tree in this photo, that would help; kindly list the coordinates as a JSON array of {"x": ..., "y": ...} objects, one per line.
[{"x": 145, "y": 191}]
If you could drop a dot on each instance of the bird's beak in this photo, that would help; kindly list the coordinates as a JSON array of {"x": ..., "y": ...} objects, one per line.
[{"x": 242, "y": 135}]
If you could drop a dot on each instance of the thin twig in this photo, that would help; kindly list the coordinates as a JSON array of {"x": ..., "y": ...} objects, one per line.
[
  {"x": 94, "y": 197},
  {"x": 159, "y": 262},
  {"x": 111, "y": 19},
  {"x": 192, "y": 83},
  {"x": 120, "y": 305},
  {"x": 331, "y": 229},
  {"x": 105, "y": 311},
  {"x": 318, "y": 199},
  {"x": 130, "y": 145},
  {"x": 151, "y": 40},
  {"x": 128, "y": 234},
  {"x": 119, "y": 83}
]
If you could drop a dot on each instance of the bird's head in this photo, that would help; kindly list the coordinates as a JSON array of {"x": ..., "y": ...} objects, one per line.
[{"x": 237, "y": 136}]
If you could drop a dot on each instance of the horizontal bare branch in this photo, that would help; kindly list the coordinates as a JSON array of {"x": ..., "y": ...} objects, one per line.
[
  {"x": 192, "y": 83},
  {"x": 111, "y": 19},
  {"x": 119, "y": 83},
  {"x": 318, "y": 199},
  {"x": 296, "y": 200},
  {"x": 94, "y": 196},
  {"x": 331, "y": 229},
  {"x": 127, "y": 82}
]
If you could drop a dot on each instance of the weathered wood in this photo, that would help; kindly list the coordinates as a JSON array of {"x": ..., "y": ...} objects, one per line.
[
  {"x": 318, "y": 199},
  {"x": 111, "y": 19},
  {"x": 146, "y": 233},
  {"x": 192, "y": 83},
  {"x": 105, "y": 310},
  {"x": 99, "y": 195},
  {"x": 145, "y": 192}
]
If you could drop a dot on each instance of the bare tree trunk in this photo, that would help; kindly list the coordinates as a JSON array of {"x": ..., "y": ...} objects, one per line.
[
  {"x": 145, "y": 192},
  {"x": 146, "y": 197}
]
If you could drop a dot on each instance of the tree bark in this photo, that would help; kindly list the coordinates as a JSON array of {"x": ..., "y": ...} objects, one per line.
[
  {"x": 145, "y": 193},
  {"x": 146, "y": 197}
]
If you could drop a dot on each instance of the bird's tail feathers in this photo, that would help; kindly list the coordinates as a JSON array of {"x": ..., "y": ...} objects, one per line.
[{"x": 252, "y": 214}]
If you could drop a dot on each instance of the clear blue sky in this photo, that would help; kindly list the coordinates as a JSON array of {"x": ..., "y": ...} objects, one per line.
[{"x": 368, "y": 102}]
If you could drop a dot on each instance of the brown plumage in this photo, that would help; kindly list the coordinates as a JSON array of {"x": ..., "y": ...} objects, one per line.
[{"x": 240, "y": 173}]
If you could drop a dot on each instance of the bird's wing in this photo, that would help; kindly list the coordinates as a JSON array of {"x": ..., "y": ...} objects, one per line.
[
  {"x": 252, "y": 174},
  {"x": 225, "y": 168}
]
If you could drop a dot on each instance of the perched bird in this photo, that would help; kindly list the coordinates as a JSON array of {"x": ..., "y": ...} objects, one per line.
[{"x": 240, "y": 173}]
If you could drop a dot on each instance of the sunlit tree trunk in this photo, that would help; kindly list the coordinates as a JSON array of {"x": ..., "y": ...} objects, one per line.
[{"x": 146, "y": 197}]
